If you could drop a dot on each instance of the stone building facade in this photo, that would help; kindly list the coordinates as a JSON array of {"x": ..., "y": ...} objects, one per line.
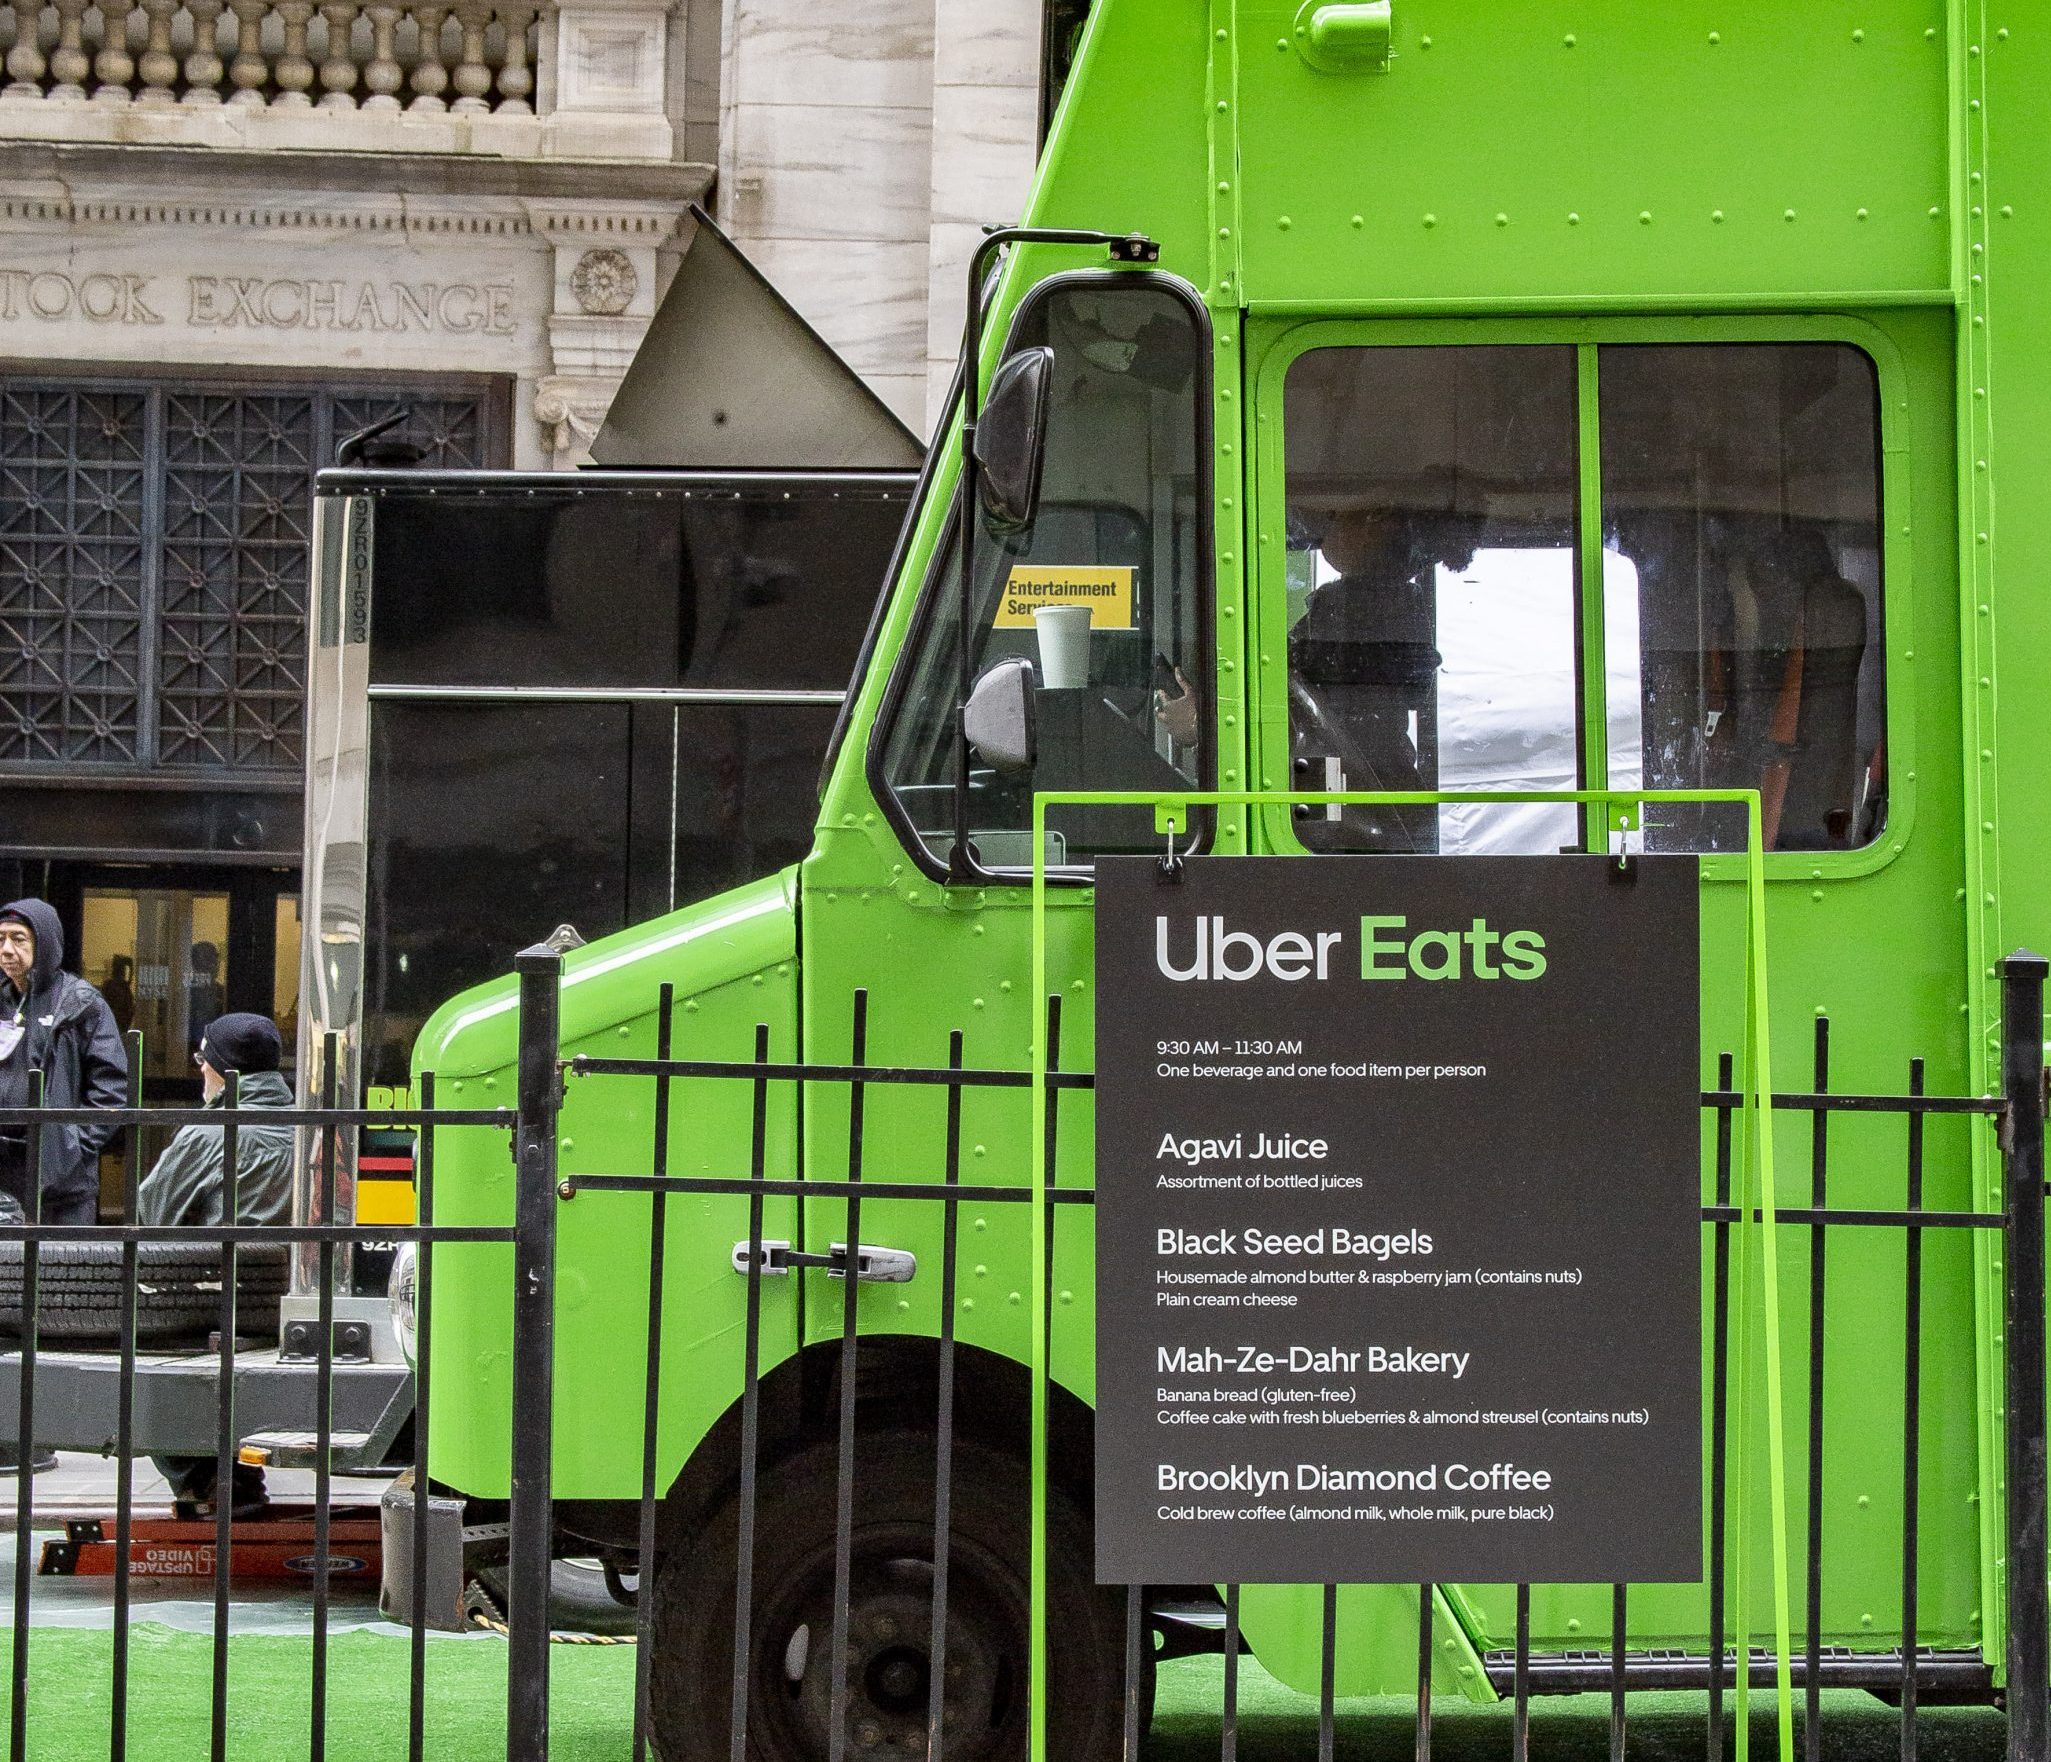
[
  {"x": 275, "y": 187},
  {"x": 866, "y": 144},
  {"x": 235, "y": 232}
]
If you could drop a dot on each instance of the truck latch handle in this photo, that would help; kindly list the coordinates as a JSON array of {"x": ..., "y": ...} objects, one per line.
[{"x": 882, "y": 1266}]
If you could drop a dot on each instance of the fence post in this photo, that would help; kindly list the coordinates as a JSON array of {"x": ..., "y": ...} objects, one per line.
[
  {"x": 534, "y": 1149},
  {"x": 2029, "y": 1602}
]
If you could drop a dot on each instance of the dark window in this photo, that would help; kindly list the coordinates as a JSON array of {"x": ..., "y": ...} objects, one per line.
[
  {"x": 455, "y": 790},
  {"x": 1741, "y": 526},
  {"x": 153, "y": 561},
  {"x": 766, "y": 590},
  {"x": 779, "y": 592},
  {"x": 615, "y": 813}
]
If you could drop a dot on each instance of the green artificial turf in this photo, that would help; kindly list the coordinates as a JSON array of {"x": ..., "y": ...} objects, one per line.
[
  {"x": 171, "y": 1690},
  {"x": 1277, "y": 1725},
  {"x": 592, "y": 1691}
]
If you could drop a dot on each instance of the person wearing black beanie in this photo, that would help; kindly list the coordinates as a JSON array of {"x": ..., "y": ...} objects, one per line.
[
  {"x": 189, "y": 1185},
  {"x": 243, "y": 1042}
]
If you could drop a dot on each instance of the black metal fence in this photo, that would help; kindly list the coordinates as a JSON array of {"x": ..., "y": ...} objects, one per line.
[
  {"x": 903, "y": 1688},
  {"x": 1905, "y": 1672},
  {"x": 31, "y": 1240}
]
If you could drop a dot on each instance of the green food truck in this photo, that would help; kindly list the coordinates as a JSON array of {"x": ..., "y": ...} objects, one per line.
[{"x": 1495, "y": 398}]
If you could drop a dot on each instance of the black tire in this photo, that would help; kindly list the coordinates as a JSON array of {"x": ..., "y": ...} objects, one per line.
[
  {"x": 178, "y": 1290},
  {"x": 578, "y": 1600},
  {"x": 890, "y": 1614}
]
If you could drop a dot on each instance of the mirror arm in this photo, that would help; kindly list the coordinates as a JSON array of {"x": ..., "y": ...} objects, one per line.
[{"x": 1124, "y": 248}]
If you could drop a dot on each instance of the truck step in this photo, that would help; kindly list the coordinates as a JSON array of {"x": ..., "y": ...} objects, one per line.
[{"x": 347, "y": 1451}]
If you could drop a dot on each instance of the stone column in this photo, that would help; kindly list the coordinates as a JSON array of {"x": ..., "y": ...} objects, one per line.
[
  {"x": 825, "y": 163},
  {"x": 986, "y": 96}
]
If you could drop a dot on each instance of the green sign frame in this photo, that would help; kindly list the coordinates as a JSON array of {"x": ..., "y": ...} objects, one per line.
[{"x": 1757, "y": 1193}]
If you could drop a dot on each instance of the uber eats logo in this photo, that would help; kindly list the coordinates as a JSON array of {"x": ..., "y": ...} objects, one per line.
[{"x": 1390, "y": 948}]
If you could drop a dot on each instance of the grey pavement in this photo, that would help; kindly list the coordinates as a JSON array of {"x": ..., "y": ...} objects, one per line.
[{"x": 84, "y": 1485}]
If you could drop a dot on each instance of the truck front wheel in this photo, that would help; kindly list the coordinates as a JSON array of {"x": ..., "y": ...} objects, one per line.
[{"x": 789, "y": 1666}]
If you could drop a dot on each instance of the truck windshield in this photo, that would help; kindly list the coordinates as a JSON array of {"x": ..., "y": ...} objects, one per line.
[{"x": 1120, "y": 532}]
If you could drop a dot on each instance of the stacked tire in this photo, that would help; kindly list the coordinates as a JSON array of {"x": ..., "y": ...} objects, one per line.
[{"x": 178, "y": 1290}]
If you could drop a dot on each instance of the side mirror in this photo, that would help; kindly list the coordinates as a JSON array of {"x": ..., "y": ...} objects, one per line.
[
  {"x": 999, "y": 718},
  {"x": 1011, "y": 438}
]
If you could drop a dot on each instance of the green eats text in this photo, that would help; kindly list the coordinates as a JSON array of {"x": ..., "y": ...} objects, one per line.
[{"x": 1386, "y": 952}]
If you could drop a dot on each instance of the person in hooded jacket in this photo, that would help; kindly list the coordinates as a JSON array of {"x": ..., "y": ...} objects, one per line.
[
  {"x": 54, "y": 1022},
  {"x": 188, "y": 1185}
]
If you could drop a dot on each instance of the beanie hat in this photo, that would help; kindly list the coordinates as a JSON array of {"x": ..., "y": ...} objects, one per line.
[{"x": 242, "y": 1042}]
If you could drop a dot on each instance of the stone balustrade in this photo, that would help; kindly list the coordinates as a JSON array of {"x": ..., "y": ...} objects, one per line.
[{"x": 579, "y": 80}]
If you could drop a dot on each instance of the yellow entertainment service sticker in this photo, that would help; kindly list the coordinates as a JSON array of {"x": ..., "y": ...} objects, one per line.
[{"x": 1106, "y": 591}]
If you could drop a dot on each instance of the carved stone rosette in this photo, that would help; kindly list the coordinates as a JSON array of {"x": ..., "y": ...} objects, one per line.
[{"x": 604, "y": 283}]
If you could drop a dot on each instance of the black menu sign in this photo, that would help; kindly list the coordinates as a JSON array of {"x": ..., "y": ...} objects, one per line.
[{"x": 1398, "y": 1220}]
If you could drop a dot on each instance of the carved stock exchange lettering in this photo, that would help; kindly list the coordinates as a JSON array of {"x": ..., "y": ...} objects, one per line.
[
  {"x": 460, "y": 308},
  {"x": 50, "y": 294},
  {"x": 255, "y": 302}
]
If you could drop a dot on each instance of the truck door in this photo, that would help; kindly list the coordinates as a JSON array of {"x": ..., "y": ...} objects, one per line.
[
  {"x": 1123, "y": 527},
  {"x": 1664, "y": 554}
]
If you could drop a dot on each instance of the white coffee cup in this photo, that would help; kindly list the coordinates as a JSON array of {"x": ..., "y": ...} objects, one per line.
[{"x": 1064, "y": 635}]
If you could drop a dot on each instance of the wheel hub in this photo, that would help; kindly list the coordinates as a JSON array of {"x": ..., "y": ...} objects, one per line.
[{"x": 890, "y": 1668}]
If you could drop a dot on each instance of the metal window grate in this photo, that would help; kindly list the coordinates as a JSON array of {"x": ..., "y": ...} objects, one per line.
[
  {"x": 2014, "y": 1117},
  {"x": 154, "y": 540},
  {"x": 73, "y": 571}
]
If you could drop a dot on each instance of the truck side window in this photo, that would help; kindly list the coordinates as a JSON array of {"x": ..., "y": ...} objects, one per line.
[
  {"x": 1432, "y": 496},
  {"x": 1741, "y": 524},
  {"x": 1118, "y": 550}
]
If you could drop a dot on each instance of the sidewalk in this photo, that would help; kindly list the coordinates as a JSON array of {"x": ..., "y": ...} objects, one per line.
[{"x": 84, "y": 1485}]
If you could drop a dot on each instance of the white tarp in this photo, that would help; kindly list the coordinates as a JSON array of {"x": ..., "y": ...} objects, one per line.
[{"x": 1506, "y": 636}]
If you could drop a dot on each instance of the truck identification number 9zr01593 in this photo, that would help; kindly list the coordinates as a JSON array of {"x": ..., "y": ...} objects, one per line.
[{"x": 1217, "y": 1048}]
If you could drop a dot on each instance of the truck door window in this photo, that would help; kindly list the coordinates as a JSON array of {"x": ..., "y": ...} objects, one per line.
[
  {"x": 1120, "y": 530},
  {"x": 1432, "y": 507},
  {"x": 1741, "y": 525}
]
